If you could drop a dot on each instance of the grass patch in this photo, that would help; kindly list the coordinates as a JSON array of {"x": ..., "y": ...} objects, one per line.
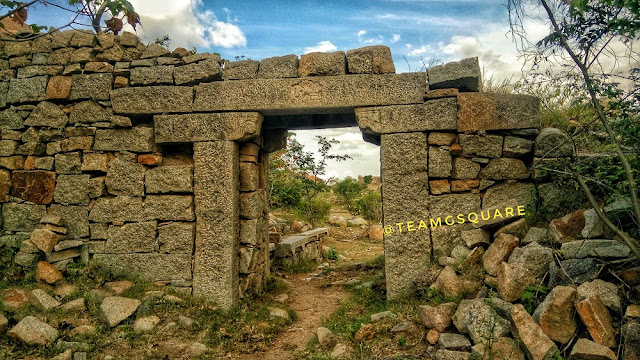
[{"x": 298, "y": 266}]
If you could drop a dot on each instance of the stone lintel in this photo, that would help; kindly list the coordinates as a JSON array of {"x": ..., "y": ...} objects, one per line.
[
  {"x": 238, "y": 126},
  {"x": 317, "y": 94},
  {"x": 216, "y": 176},
  {"x": 152, "y": 99},
  {"x": 484, "y": 111}
]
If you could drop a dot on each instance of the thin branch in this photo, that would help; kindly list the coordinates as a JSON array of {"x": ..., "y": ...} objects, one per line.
[{"x": 18, "y": 9}]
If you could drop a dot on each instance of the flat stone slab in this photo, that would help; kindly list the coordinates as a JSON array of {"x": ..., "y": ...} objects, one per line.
[
  {"x": 324, "y": 94},
  {"x": 238, "y": 126},
  {"x": 30, "y": 330},
  {"x": 288, "y": 245},
  {"x": 116, "y": 309},
  {"x": 484, "y": 111},
  {"x": 438, "y": 114}
]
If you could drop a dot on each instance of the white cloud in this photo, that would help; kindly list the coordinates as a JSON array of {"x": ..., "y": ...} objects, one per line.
[
  {"x": 186, "y": 24},
  {"x": 419, "y": 51},
  {"x": 322, "y": 46},
  {"x": 374, "y": 40},
  {"x": 395, "y": 38}
]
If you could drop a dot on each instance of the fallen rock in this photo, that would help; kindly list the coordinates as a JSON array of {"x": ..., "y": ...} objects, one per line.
[
  {"x": 44, "y": 239},
  {"x": 65, "y": 355},
  {"x": 15, "y": 299},
  {"x": 533, "y": 257},
  {"x": 535, "y": 343},
  {"x": 593, "y": 226},
  {"x": 197, "y": 349},
  {"x": 366, "y": 332},
  {"x": 448, "y": 283},
  {"x": 498, "y": 252},
  {"x": 382, "y": 315},
  {"x": 116, "y": 309},
  {"x": 567, "y": 228},
  {"x": 631, "y": 336},
  {"x": 557, "y": 315},
  {"x": 401, "y": 327},
  {"x": 32, "y": 331},
  {"x": 601, "y": 249},
  {"x": 513, "y": 280},
  {"x": 42, "y": 300},
  {"x": 573, "y": 271},
  {"x": 596, "y": 317},
  {"x": 553, "y": 142},
  {"x": 437, "y": 317},
  {"x": 64, "y": 290},
  {"x": 454, "y": 342},
  {"x": 376, "y": 232},
  {"x": 85, "y": 330},
  {"x": 326, "y": 338},
  {"x": 536, "y": 234},
  {"x": 460, "y": 253},
  {"x": 588, "y": 350},
  {"x": 517, "y": 228},
  {"x": 146, "y": 324},
  {"x": 185, "y": 321},
  {"x": 477, "y": 318},
  {"x": 118, "y": 287},
  {"x": 77, "y": 305},
  {"x": 606, "y": 291},
  {"x": 275, "y": 312},
  {"x": 452, "y": 355},
  {"x": 340, "y": 351},
  {"x": 633, "y": 311},
  {"x": 358, "y": 222},
  {"x": 338, "y": 221},
  {"x": 47, "y": 273},
  {"x": 475, "y": 237},
  {"x": 433, "y": 336},
  {"x": 503, "y": 349}
]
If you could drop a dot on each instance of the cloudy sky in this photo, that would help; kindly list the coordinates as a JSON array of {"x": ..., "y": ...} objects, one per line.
[{"x": 419, "y": 32}]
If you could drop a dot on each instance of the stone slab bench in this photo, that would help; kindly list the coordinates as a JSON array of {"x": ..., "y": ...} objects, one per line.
[{"x": 306, "y": 244}]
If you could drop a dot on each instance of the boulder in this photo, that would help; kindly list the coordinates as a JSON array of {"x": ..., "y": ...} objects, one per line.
[
  {"x": 47, "y": 273},
  {"x": 513, "y": 280},
  {"x": 116, "y": 309},
  {"x": 32, "y": 331},
  {"x": 567, "y": 228},
  {"x": 606, "y": 291},
  {"x": 596, "y": 317},
  {"x": 552, "y": 142},
  {"x": 42, "y": 300},
  {"x": 475, "y": 237},
  {"x": 278, "y": 313},
  {"x": 536, "y": 234},
  {"x": 338, "y": 221},
  {"x": 498, "y": 252},
  {"x": 454, "y": 342},
  {"x": 601, "y": 249},
  {"x": 477, "y": 318},
  {"x": 437, "y": 317},
  {"x": 146, "y": 324},
  {"x": 448, "y": 283},
  {"x": 535, "y": 343},
  {"x": 533, "y": 257},
  {"x": 503, "y": 349},
  {"x": 326, "y": 338},
  {"x": 588, "y": 350},
  {"x": 573, "y": 271},
  {"x": 593, "y": 226},
  {"x": 556, "y": 314}
]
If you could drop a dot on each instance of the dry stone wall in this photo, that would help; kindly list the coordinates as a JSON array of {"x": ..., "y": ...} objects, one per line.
[{"x": 155, "y": 162}]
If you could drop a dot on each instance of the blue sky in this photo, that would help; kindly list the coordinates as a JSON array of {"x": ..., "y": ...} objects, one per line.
[{"x": 419, "y": 33}]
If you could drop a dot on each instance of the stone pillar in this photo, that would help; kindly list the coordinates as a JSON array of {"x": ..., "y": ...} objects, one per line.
[
  {"x": 215, "y": 271},
  {"x": 405, "y": 198}
]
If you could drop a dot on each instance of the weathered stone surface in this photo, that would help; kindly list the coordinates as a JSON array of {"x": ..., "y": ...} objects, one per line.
[
  {"x": 146, "y": 324},
  {"x": 27, "y": 90},
  {"x": 72, "y": 189},
  {"x": 439, "y": 114},
  {"x": 487, "y": 145},
  {"x": 152, "y": 99},
  {"x": 176, "y": 238},
  {"x": 95, "y": 162},
  {"x": 168, "y": 179},
  {"x": 216, "y": 195},
  {"x": 88, "y": 112},
  {"x": 253, "y": 204},
  {"x": 448, "y": 283},
  {"x": 442, "y": 354},
  {"x": 370, "y": 60},
  {"x": 606, "y": 291},
  {"x": 278, "y": 67},
  {"x": 68, "y": 163},
  {"x": 308, "y": 95},
  {"x": 115, "y": 309},
  {"x": 454, "y": 342},
  {"x": 249, "y": 177},
  {"x": 47, "y": 273},
  {"x": 552, "y": 142},
  {"x": 322, "y": 64},
  {"x": 498, "y": 252},
  {"x": 203, "y": 71},
  {"x": 559, "y": 198},
  {"x": 3, "y": 322},
  {"x": 602, "y": 249},
  {"x": 485, "y": 111},
  {"x": 10, "y": 119},
  {"x": 631, "y": 333},
  {"x": 42, "y": 300},
  {"x": 239, "y": 126},
  {"x": 91, "y": 86},
  {"x": 32, "y": 331},
  {"x": 464, "y": 169},
  {"x": 403, "y": 153},
  {"x": 504, "y": 169},
  {"x": 34, "y": 186},
  {"x": 593, "y": 226},
  {"x": 137, "y": 139},
  {"x": 477, "y": 318},
  {"x": 438, "y": 138},
  {"x": 533, "y": 257},
  {"x": 14, "y": 299},
  {"x": 117, "y": 209},
  {"x": 588, "y": 350},
  {"x": 513, "y": 280},
  {"x": 154, "y": 75},
  {"x": 440, "y": 162},
  {"x": 240, "y": 70},
  {"x": 125, "y": 178},
  {"x": 8, "y": 147},
  {"x": 75, "y": 219},
  {"x": 44, "y": 239},
  {"x": 438, "y": 187},
  {"x": 169, "y": 207},
  {"x": 523, "y": 193},
  {"x": 573, "y": 271},
  {"x": 154, "y": 267},
  {"x": 516, "y": 147},
  {"x": 503, "y": 349},
  {"x": 21, "y": 217},
  {"x": 47, "y": 114},
  {"x": 475, "y": 237},
  {"x": 437, "y": 317},
  {"x": 463, "y": 75},
  {"x": 77, "y": 305},
  {"x": 556, "y": 314},
  {"x": 452, "y": 204},
  {"x": 596, "y": 317},
  {"x": 536, "y": 344},
  {"x": 132, "y": 238}
]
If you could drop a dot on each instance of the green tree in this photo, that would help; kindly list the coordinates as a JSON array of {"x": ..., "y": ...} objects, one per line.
[
  {"x": 590, "y": 49},
  {"x": 348, "y": 189}
]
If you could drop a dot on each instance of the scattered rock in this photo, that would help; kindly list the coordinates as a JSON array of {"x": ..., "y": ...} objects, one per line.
[
  {"x": 42, "y": 300},
  {"x": 437, "y": 317},
  {"x": 448, "y": 283},
  {"x": 44, "y": 239},
  {"x": 633, "y": 311},
  {"x": 588, "y": 350},
  {"x": 118, "y": 287},
  {"x": 452, "y": 355},
  {"x": 358, "y": 222},
  {"x": 593, "y": 226},
  {"x": 116, "y": 309},
  {"x": 503, "y": 349},
  {"x": 47, "y": 273},
  {"x": 86, "y": 330},
  {"x": 556, "y": 314},
  {"x": 536, "y": 234},
  {"x": 366, "y": 332},
  {"x": 15, "y": 299},
  {"x": 340, "y": 351},
  {"x": 433, "y": 336},
  {"x": 573, "y": 271},
  {"x": 197, "y": 349},
  {"x": 3, "y": 322},
  {"x": 460, "y": 253},
  {"x": 606, "y": 291},
  {"x": 77, "y": 305},
  {"x": 567, "y": 228},
  {"x": 146, "y": 324},
  {"x": 401, "y": 327},
  {"x": 376, "y": 232},
  {"x": 282, "y": 298},
  {"x": 275, "y": 312},
  {"x": 480, "y": 320},
  {"x": 338, "y": 221},
  {"x": 97, "y": 295},
  {"x": 533, "y": 257},
  {"x": 601, "y": 249},
  {"x": 172, "y": 299},
  {"x": 596, "y": 317},
  {"x": 631, "y": 336},
  {"x": 326, "y": 338},
  {"x": 498, "y": 252},
  {"x": 185, "y": 322},
  {"x": 454, "y": 342},
  {"x": 382, "y": 315},
  {"x": 535, "y": 343},
  {"x": 475, "y": 237},
  {"x": 32, "y": 331},
  {"x": 512, "y": 281},
  {"x": 553, "y": 142}
]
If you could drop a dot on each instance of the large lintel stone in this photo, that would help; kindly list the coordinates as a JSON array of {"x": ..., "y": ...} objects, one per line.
[
  {"x": 483, "y": 111},
  {"x": 239, "y": 126},
  {"x": 439, "y": 114},
  {"x": 152, "y": 99},
  {"x": 216, "y": 191},
  {"x": 326, "y": 94}
]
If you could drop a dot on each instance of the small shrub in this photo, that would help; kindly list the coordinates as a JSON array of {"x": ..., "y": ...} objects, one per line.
[
  {"x": 348, "y": 189},
  {"x": 315, "y": 211},
  {"x": 332, "y": 254},
  {"x": 370, "y": 206}
]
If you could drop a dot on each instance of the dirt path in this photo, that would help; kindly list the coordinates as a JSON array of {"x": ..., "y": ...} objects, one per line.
[{"x": 312, "y": 302}]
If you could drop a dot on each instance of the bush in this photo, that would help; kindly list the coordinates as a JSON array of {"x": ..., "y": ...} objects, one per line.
[
  {"x": 370, "y": 206},
  {"x": 314, "y": 211},
  {"x": 348, "y": 189},
  {"x": 285, "y": 191}
]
